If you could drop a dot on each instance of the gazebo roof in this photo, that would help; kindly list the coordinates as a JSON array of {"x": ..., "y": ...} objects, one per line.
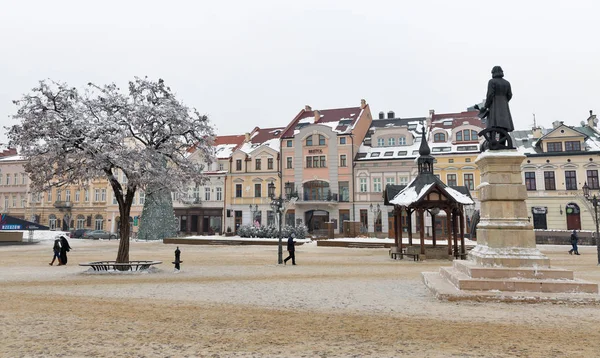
[{"x": 416, "y": 192}]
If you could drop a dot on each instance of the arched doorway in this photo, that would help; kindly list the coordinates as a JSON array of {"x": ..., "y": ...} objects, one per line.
[
  {"x": 315, "y": 220},
  {"x": 572, "y": 214},
  {"x": 52, "y": 222}
]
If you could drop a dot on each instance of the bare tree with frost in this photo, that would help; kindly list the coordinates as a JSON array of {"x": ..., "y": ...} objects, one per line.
[{"x": 68, "y": 137}]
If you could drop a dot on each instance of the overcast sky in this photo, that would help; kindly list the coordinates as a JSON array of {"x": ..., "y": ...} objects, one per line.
[{"x": 247, "y": 63}]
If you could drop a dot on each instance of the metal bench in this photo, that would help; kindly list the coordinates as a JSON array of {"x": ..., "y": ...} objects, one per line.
[{"x": 120, "y": 266}]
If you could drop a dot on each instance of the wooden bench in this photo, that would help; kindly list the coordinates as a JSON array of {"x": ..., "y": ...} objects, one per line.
[
  {"x": 397, "y": 254},
  {"x": 120, "y": 266}
]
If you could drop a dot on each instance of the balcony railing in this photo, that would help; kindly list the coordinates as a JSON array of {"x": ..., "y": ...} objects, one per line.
[
  {"x": 63, "y": 204},
  {"x": 325, "y": 196}
]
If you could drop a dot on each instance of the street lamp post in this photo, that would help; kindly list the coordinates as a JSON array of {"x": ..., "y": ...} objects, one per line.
[
  {"x": 595, "y": 202},
  {"x": 277, "y": 206}
]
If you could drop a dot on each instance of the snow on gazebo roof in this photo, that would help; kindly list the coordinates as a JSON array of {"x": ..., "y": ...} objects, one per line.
[{"x": 426, "y": 182}]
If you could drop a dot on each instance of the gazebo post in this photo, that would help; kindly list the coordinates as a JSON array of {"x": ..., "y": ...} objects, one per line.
[
  {"x": 455, "y": 233},
  {"x": 409, "y": 222},
  {"x": 422, "y": 231},
  {"x": 462, "y": 233},
  {"x": 433, "y": 229},
  {"x": 398, "y": 226},
  {"x": 449, "y": 230}
]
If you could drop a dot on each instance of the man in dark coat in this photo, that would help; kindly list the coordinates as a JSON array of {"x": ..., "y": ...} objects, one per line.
[
  {"x": 574, "y": 240},
  {"x": 64, "y": 248},
  {"x": 291, "y": 249},
  {"x": 499, "y": 94}
]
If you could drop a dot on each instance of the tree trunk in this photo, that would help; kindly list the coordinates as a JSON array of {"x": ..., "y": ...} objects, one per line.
[{"x": 123, "y": 254}]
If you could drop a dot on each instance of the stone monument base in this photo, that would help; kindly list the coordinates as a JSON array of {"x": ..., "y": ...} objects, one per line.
[{"x": 466, "y": 280}]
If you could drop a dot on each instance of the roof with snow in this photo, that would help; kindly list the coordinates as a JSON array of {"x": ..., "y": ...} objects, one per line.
[
  {"x": 262, "y": 137},
  {"x": 226, "y": 144},
  {"x": 341, "y": 120},
  {"x": 525, "y": 143}
]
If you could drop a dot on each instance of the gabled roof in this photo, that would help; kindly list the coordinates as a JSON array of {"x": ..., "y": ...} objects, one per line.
[
  {"x": 525, "y": 143},
  {"x": 545, "y": 136},
  {"x": 453, "y": 120},
  {"x": 261, "y": 137},
  {"x": 341, "y": 120},
  {"x": 226, "y": 144}
]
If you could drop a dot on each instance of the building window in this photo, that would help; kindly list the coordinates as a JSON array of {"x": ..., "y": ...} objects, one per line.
[
  {"x": 86, "y": 195},
  {"x": 269, "y": 163},
  {"x": 364, "y": 219},
  {"x": 570, "y": 180},
  {"x": 549, "y": 182},
  {"x": 530, "y": 180},
  {"x": 451, "y": 180},
  {"x": 206, "y": 193},
  {"x": 1, "y": 179},
  {"x": 23, "y": 201},
  {"x": 467, "y": 160},
  {"x": 257, "y": 164},
  {"x": 68, "y": 195},
  {"x": 238, "y": 164},
  {"x": 196, "y": 193},
  {"x": 309, "y": 141},
  {"x": 390, "y": 181},
  {"x": 343, "y": 160},
  {"x": 323, "y": 162},
  {"x": 344, "y": 189},
  {"x": 316, "y": 162},
  {"x": 142, "y": 197},
  {"x": 238, "y": 190},
  {"x": 321, "y": 139},
  {"x": 52, "y": 221},
  {"x": 289, "y": 143},
  {"x": 592, "y": 179},
  {"x": 554, "y": 147},
  {"x": 99, "y": 222},
  {"x": 77, "y": 196},
  {"x": 219, "y": 194},
  {"x": 14, "y": 201},
  {"x": 58, "y": 195},
  {"x": 401, "y": 140},
  {"x": 257, "y": 191},
  {"x": 380, "y": 142},
  {"x": 363, "y": 185},
  {"x": 288, "y": 162},
  {"x": 23, "y": 178},
  {"x": 572, "y": 146},
  {"x": 403, "y": 180},
  {"x": 439, "y": 137},
  {"x": 221, "y": 167},
  {"x": 469, "y": 183},
  {"x": 450, "y": 160},
  {"x": 391, "y": 141},
  {"x": 80, "y": 222},
  {"x": 7, "y": 179},
  {"x": 103, "y": 195},
  {"x": 16, "y": 179},
  {"x": 377, "y": 185},
  {"x": 270, "y": 218},
  {"x": 343, "y": 140}
]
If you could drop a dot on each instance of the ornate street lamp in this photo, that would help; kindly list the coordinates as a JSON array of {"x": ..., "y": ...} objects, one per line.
[
  {"x": 595, "y": 202},
  {"x": 277, "y": 206}
]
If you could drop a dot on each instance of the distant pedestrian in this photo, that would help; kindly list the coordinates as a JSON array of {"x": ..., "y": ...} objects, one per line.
[
  {"x": 291, "y": 249},
  {"x": 64, "y": 248},
  {"x": 574, "y": 240},
  {"x": 56, "y": 249}
]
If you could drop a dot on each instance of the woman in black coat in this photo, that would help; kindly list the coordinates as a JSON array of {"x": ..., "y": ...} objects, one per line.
[
  {"x": 499, "y": 94},
  {"x": 64, "y": 248}
]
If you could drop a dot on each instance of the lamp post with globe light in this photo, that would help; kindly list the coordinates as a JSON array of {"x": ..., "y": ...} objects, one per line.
[
  {"x": 595, "y": 202},
  {"x": 277, "y": 206}
]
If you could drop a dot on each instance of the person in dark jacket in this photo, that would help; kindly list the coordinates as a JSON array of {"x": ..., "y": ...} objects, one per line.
[
  {"x": 291, "y": 249},
  {"x": 56, "y": 249},
  {"x": 64, "y": 248},
  {"x": 499, "y": 94},
  {"x": 574, "y": 240}
]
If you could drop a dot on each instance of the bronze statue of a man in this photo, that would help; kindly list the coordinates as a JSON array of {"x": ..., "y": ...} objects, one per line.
[{"x": 499, "y": 119}]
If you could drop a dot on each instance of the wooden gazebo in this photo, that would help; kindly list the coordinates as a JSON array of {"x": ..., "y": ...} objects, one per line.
[{"x": 427, "y": 193}]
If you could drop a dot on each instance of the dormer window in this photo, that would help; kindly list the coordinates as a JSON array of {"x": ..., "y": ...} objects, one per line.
[
  {"x": 309, "y": 141},
  {"x": 554, "y": 147},
  {"x": 401, "y": 140},
  {"x": 321, "y": 139},
  {"x": 572, "y": 146},
  {"x": 439, "y": 137},
  {"x": 380, "y": 142},
  {"x": 391, "y": 142},
  {"x": 466, "y": 135}
]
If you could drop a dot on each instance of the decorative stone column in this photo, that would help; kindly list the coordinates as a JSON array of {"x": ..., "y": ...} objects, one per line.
[{"x": 505, "y": 237}]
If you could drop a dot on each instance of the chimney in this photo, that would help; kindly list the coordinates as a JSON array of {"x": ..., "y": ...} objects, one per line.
[
  {"x": 363, "y": 103},
  {"x": 381, "y": 115},
  {"x": 556, "y": 124},
  {"x": 247, "y": 135},
  {"x": 307, "y": 108},
  {"x": 391, "y": 114},
  {"x": 317, "y": 116},
  {"x": 592, "y": 121},
  {"x": 536, "y": 132}
]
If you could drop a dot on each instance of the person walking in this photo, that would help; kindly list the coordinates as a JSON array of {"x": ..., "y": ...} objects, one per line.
[
  {"x": 574, "y": 240},
  {"x": 56, "y": 250},
  {"x": 291, "y": 249},
  {"x": 64, "y": 248}
]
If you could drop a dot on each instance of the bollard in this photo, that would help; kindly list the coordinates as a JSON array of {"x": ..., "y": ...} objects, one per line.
[{"x": 177, "y": 259}]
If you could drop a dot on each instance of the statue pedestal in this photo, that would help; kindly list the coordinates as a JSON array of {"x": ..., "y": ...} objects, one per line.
[{"x": 506, "y": 264}]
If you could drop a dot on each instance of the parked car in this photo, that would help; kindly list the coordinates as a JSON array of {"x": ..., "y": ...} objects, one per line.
[
  {"x": 99, "y": 234},
  {"x": 78, "y": 234}
]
